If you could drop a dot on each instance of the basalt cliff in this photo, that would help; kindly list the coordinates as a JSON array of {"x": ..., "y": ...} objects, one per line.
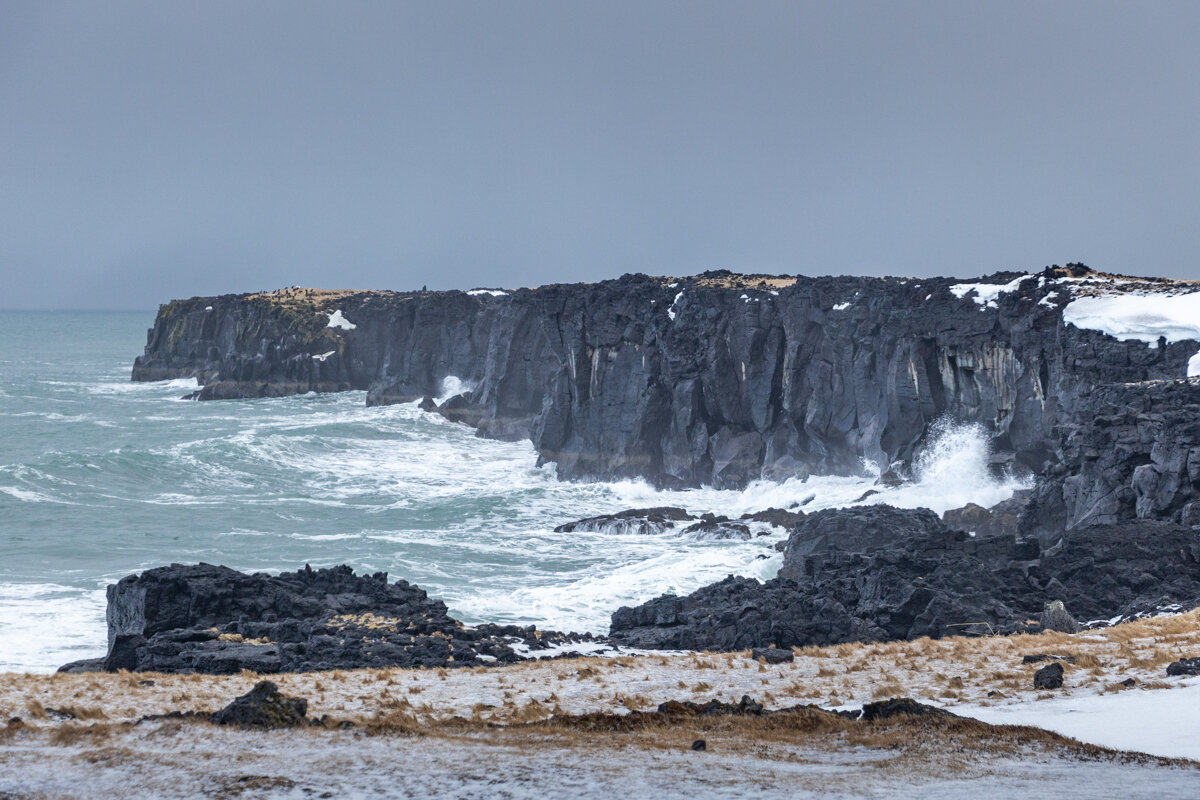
[{"x": 721, "y": 379}]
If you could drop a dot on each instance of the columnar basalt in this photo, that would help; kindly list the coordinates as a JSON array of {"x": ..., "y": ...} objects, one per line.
[{"x": 717, "y": 379}]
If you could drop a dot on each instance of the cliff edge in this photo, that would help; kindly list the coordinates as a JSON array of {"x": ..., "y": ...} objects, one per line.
[{"x": 715, "y": 379}]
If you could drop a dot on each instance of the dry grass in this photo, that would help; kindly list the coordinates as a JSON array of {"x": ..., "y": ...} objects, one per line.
[{"x": 984, "y": 671}]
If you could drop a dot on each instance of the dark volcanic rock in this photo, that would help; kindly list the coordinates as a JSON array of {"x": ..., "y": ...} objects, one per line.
[
  {"x": 216, "y": 620},
  {"x": 635, "y": 520},
  {"x": 714, "y": 379},
  {"x": 1132, "y": 454},
  {"x": 773, "y": 655},
  {"x": 901, "y": 706},
  {"x": 1049, "y": 677},
  {"x": 1055, "y": 617},
  {"x": 715, "y": 527},
  {"x": 880, "y": 573},
  {"x": 778, "y": 517},
  {"x": 1184, "y": 666},
  {"x": 714, "y": 707},
  {"x": 999, "y": 520},
  {"x": 264, "y": 707}
]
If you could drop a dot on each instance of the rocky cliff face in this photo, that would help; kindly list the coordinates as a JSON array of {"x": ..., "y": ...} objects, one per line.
[{"x": 717, "y": 379}]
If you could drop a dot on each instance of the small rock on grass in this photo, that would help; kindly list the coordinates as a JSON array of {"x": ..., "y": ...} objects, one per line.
[
  {"x": 264, "y": 707},
  {"x": 773, "y": 655},
  {"x": 1049, "y": 677},
  {"x": 1184, "y": 666}
]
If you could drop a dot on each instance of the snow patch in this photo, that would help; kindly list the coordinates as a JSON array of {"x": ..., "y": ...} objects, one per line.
[
  {"x": 1140, "y": 317},
  {"x": 841, "y": 306},
  {"x": 492, "y": 292},
  {"x": 671, "y": 310},
  {"x": 336, "y": 320},
  {"x": 1162, "y": 723},
  {"x": 986, "y": 294},
  {"x": 1048, "y": 300},
  {"x": 208, "y": 308},
  {"x": 323, "y": 356},
  {"x": 1194, "y": 366}
]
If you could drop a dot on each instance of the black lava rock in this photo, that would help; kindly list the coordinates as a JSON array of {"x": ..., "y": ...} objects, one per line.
[
  {"x": 635, "y": 520},
  {"x": 880, "y": 573},
  {"x": 264, "y": 707},
  {"x": 215, "y": 620},
  {"x": 901, "y": 706},
  {"x": 1049, "y": 677},
  {"x": 1184, "y": 666},
  {"x": 773, "y": 655}
]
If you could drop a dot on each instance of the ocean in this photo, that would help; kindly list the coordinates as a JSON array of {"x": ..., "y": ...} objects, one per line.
[{"x": 101, "y": 477}]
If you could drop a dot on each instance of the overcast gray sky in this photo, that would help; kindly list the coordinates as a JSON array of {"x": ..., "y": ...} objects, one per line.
[{"x": 168, "y": 149}]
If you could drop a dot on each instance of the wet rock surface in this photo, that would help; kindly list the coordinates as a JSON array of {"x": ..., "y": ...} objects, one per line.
[
  {"x": 877, "y": 573},
  {"x": 215, "y": 620},
  {"x": 635, "y": 520}
]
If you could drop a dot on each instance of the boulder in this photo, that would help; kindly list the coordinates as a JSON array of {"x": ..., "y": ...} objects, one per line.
[
  {"x": 1184, "y": 666},
  {"x": 1055, "y": 617},
  {"x": 714, "y": 527},
  {"x": 264, "y": 708},
  {"x": 901, "y": 706},
  {"x": 773, "y": 655},
  {"x": 1049, "y": 676}
]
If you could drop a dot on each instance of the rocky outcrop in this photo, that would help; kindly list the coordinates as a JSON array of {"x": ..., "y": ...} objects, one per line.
[
  {"x": 878, "y": 573},
  {"x": 635, "y": 520},
  {"x": 669, "y": 519},
  {"x": 716, "y": 379},
  {"x": 1133, "y": 453},
  {"x": 215, "y": 620}
]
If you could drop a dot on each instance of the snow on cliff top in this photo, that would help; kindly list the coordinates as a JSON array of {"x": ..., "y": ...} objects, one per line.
[
  {"x": 1141, "y": 316},
  {"x": 1125, "y": 308}
]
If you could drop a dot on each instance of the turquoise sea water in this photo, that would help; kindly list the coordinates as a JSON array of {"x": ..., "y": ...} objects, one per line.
[{"x": 101, "y": 477}]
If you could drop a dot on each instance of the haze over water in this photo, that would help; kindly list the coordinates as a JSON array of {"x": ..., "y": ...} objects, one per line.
[{"x": 101, "y": 477}]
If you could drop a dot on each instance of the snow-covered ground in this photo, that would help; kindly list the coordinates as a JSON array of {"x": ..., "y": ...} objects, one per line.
[
  {"x": 1165, "y": 723},
  {"x": 185, "y": 760}
]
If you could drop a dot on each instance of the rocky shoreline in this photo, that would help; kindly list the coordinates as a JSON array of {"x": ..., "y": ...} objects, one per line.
[
  {"x": 215, "y": 620},
  {"x": 858, "y": 574},
  {"x": 721, "y": 379}
]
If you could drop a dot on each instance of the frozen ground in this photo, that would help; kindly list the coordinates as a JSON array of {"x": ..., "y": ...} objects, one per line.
[
  {"x": 183, "y": 760},
  {"x": 80, "y": 736},
  {"x": 1165, "y": 723}
]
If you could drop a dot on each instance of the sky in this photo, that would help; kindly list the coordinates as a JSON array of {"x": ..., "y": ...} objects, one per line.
[{"x": 158, "y": 150}]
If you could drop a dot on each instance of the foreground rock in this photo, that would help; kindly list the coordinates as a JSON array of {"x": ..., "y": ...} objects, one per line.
[
  {"x": 878, "y": 573},
  {"x": 265, "y": 708},
  {"x": 1184, "y": 666},
  {"x": 215, "y": 620},
  {"x": 1049, "y": 676}
]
